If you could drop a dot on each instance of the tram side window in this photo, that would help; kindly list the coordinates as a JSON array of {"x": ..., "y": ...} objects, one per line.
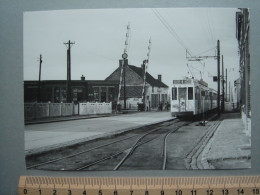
[
  {"x": 190, "y": 93},
  {"x": 174, "y": 93},
  {"x": 182, "y": 93}
]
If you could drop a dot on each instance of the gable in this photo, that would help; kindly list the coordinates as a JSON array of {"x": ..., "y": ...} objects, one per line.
[{"x": 132, "y": 78}]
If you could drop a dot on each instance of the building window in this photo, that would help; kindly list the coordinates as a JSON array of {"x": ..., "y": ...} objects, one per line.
[
  {"x": 57, "y": 95},
  {"x": 63, "y": 95},
  {"x": 77, "y": 94},
  {"x": 96, "y": 94}
]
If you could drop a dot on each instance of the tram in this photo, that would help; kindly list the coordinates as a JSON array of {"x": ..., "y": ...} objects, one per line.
[{"x": 191, "y": 97}]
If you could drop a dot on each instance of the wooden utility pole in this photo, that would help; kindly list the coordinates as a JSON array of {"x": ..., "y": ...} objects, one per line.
[
  {"x": 39, "y": 83},
  {"x": 218, "y": 63},
  {"x": 69, "y": 45},
  {"x": 223, "y": 87}
]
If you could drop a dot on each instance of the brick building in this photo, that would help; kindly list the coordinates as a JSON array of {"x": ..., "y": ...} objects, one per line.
[
  {"x": 243, "y": 37},
  {"x": 102, "y": 90},
  {"x": 82, "y": 91},
  {"x": 155, "y": 90}
]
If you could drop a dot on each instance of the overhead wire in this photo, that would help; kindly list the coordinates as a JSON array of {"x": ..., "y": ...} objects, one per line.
[
  {"x": 171, "y": 30},
  {"x": 176, "y": 36}
]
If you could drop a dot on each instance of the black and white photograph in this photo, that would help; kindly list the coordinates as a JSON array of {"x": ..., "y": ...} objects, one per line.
[{"x": 137, "y": 89}]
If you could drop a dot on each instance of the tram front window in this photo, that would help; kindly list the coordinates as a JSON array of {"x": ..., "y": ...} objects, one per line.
[
  {"x": 182, "y": 93},
  {"x": 174, "y": 93},
  {"x": 190, "y": 93}
]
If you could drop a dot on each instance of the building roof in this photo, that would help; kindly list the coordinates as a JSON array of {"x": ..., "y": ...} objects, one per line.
[
  {"x": 149, "y": 78},
  {"x": 132, "y": 91}
]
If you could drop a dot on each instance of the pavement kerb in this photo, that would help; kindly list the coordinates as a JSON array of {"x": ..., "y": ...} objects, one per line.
[
  {"x": 77, "y": 117},
  {"x": 66, "y": 119},
  {"x": 78, "y": 141}
]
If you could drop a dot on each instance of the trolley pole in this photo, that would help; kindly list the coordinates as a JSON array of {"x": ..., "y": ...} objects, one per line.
[
  {"x": 69, "y": 45},
  {"x": 223, "y": 87},
  {"x": 218, "y": 63},
  {"x": 39, "y": 83}
]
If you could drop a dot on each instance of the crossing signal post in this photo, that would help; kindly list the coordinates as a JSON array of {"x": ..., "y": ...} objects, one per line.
[
  {"x": 125, "y": 62},
  {"x": 123, "y": 71}
]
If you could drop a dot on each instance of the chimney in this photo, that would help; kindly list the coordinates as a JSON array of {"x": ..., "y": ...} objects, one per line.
[
  {"x": 83, "y": 78},
  {"x": 160, "y": 77}
]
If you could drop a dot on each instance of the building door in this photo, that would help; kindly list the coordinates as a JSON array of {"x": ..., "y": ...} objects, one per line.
[
  {"x": 103, "y": 94},
  {"x": 155, "y": 100}
]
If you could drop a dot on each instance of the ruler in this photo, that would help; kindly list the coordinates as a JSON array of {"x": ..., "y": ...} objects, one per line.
[{"x": 227, "y": 185}]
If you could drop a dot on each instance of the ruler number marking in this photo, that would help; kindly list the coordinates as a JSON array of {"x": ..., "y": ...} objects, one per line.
[
  {"x": 178, "y": 192},
  {"x": 193, "y": 192},
  {"x": 25, "y": 191},
  {"x": 225, "y": 192},
  {"x": 240, "y": 191},
  {"x": 210, "y": 192}
]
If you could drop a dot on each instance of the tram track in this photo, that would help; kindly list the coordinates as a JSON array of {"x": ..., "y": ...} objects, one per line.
[
  {"x": 129, "y": 151},
  {"x": 48, "y": 164},
  {"x": 143, "y": 148},
  {"x": 163, "y": 135}
]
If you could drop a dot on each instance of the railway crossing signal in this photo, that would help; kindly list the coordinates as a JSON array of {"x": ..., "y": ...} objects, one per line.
[{"x": 123, "y": 70}]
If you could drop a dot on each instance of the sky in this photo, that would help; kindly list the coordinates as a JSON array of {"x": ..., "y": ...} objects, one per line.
[{"x": 100, "y": 35}]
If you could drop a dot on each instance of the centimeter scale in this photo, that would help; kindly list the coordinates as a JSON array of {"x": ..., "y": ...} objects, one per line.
[{"x": 215, "y": 185}]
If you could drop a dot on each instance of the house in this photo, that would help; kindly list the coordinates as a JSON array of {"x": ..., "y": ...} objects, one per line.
[
  {"x": 156, "y": 91},
  {"x": 107, "y": 90}
]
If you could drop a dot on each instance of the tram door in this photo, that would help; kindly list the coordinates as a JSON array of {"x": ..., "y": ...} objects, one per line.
[{"x": 182, "y": 98}]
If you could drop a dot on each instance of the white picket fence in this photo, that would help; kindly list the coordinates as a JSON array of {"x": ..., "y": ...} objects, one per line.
[
  {"x": 45, "y": 110},
  {"x": 95, "y": 108}
]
